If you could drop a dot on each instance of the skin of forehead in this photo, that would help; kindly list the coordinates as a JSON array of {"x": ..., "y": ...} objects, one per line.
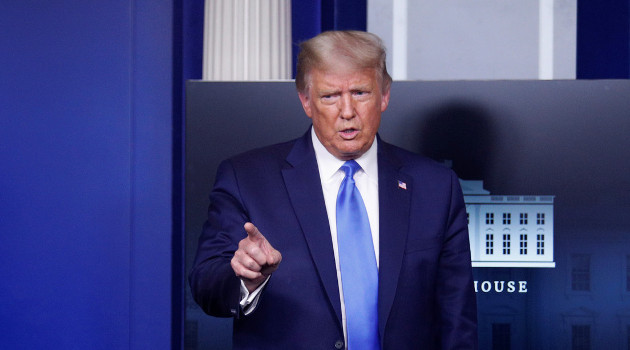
[{"x": 341, "y": 67}]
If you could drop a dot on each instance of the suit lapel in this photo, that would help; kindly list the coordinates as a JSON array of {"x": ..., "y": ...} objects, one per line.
[
  {"x": 303, "y": 185},
  {"x": 395, "y": 189}
]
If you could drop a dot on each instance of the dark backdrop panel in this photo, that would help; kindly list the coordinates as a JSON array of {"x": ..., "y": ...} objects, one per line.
[
  {"x": 562, "y": 138},
  {"x": 224, "y": 119}
]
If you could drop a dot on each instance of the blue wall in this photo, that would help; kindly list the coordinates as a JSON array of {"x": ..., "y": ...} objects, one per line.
[{"x": 85, "y": 186}]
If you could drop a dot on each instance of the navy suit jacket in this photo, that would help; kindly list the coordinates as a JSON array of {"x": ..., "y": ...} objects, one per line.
[{"x": 426, "y": 298}]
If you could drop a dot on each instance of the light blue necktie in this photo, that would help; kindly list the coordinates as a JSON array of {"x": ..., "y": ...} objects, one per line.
[{"x": 359, "y": 274}]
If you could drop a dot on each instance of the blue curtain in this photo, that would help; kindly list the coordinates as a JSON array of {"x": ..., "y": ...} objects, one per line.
[
  {"x": 603, "y": 39},
  {"x": 311, "y": 17}
]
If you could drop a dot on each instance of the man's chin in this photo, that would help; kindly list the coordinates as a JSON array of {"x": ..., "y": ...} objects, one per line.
[{"x": 348, "y": 154}]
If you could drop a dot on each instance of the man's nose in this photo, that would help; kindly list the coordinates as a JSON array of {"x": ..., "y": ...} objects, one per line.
[{"x": 346, "y": 106}]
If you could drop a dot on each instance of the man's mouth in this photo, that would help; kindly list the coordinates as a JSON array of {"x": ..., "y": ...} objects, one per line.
[{"x": 349, "y": 134}]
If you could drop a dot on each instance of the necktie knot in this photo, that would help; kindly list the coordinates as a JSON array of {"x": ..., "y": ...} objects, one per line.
[{"x": 350, "y": 167}]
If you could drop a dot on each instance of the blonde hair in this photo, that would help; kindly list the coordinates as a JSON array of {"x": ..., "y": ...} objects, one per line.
[{"x": 361, "y": 50}]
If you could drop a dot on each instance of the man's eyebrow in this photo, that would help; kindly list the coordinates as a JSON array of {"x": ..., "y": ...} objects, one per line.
[
  {"x": 362, "y": 87},
  {"x": 330, "y": 91}
]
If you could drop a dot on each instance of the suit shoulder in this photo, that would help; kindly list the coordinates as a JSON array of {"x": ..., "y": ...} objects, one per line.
[{"x": 271, "y": 154}]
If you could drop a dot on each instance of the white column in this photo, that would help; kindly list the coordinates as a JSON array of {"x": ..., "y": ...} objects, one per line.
[
  {"x": 399, "y": 54},
  {"x": 247, "y": 40},
  {"x": 545, "y": 39}
]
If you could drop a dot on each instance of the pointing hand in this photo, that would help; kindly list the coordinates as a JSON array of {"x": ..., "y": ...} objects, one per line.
[{"x": 255, "y": 258}]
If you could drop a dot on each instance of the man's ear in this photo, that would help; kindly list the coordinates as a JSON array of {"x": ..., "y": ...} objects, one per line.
[
  {"x": 385, "y": 99},
  {"x": 306, "y": 103}
]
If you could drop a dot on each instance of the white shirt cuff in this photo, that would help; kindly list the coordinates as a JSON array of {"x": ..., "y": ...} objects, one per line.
[{"x": 250, "y": 300}]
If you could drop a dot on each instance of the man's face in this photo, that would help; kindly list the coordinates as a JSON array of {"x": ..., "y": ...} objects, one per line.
[{"x": 346, "y": 107}]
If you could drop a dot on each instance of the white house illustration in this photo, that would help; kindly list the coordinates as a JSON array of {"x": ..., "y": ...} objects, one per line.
[{"x": 508, "y": 231}]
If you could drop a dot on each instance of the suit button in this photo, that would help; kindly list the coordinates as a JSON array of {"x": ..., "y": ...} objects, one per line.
[{"x": 339, "y": 345}]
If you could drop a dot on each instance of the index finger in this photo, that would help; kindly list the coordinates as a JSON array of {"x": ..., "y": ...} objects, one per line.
[{"x": 252, "y": 232}]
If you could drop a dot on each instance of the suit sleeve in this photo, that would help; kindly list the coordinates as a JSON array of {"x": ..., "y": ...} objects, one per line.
[
  {"x": 455, "y": 290},
  {"x": 213, "y": 283}
]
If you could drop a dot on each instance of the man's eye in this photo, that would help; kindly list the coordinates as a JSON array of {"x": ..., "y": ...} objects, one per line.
[{"x": 328, "y": 98}]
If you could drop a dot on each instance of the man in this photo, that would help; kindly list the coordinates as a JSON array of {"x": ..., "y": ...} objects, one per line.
[{"x": 338, "y": 239}]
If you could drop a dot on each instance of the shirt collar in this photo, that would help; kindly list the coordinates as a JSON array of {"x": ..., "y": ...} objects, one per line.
[{"x": 329, "y": 164}]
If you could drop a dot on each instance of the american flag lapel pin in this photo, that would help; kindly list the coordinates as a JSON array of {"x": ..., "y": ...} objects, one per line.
[{"x": 402, "y": 185}]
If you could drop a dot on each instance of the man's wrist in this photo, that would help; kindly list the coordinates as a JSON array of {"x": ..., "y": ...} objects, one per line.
[{"x": 249, "y": 300}]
